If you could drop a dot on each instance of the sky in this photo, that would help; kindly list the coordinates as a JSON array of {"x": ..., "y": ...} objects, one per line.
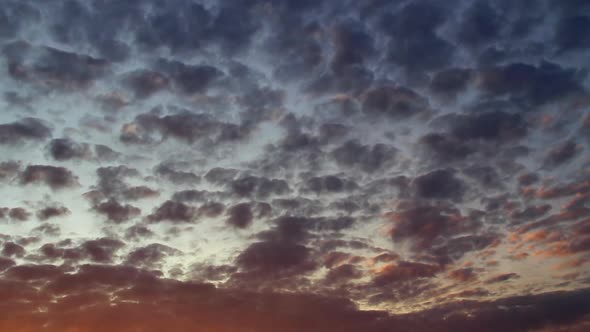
[{"x": 294, "y": 165}]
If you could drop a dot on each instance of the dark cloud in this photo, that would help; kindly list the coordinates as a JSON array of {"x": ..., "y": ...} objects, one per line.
[
  {"x": 302, "y": 229},
  {"x": 139, "y": 192},
  {"x": 51, "y": 67},
  {"x": 240, "y": 215},
  {"x": 150, "y": 256},
  {"x": 184, "y": 126},
  {"x": 444, "y": 147},
  {"x": 27, "y": 129},
  {"x": 190, "y": 79},
  {"x": 455, "y": 248},
  {"x": 343, "y": 273},
  {"x": 52, "y": 176},
  {"x": 175, "y": 176},
  {"x": 502, "y": 278},
  {"x": 252, "y": 310},
  {"x": 352, "y": 43},
  {"x": 275, "y": 259},
  {"x": 481, "y": 23},
  {"x": 101, "y": 250},
  {"x": 111, "y": 179},
  {"x": 138, "y": 232},
  {"x": 414, "y": 43},
  {"x": 394, "y": 102},
  {"x": 9, "y": 169},
  {"x": 175, "y": 212},
  {"x": 14, "y": 16},
  {"x": 368, "y": 158},
  {"x": 405, "y": 271},
  {"x": 52, "y": 212},
  {"x": 145, "y": 83},
  {"x": 220, "y": 175},
  {"x": 428, "y": 225},
  {"x": 190, "y": 195},
  {"x": 233, "y": 28},
  {"x": 450, "y": 82},
  {"x": 215, "y": 209},
  {"x": 259, "y": 187},
  {"x": 15, "y": 214},
  {"x": 532, "y": 85},
  {"x": 439, "y": 184},
  {"x": 117, "y": 212},
  {"x": 11, "y": 249},
  {"x": 528, "y": 178},
  {"x": 6, "y": 263},
  {"x": 329, "y": 184},
  {"x": 562, "y": 153},
  {"x": 105, "y": 153},
  {"x": 180, "y": 28},
  {"x": 569, "y": 27},
  {"x": 496, "y": 126},
  {"x": 65, "y": 149}
]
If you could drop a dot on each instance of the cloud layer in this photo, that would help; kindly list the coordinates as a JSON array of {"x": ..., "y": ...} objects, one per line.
[{"x": 294, "y": 165}]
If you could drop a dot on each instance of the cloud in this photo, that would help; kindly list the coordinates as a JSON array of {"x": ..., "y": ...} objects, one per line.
[
  {"x": 139, "y": 192},
  {"x": 65, "y": 149},
  {"x": 562, "y": 153},
  {"x": 150, "y": 256},
  {"x": 414, "y": 159},
  {"x": 240, "y": 215},
  {"x": 90, "y": 284},
  {"x": 329, "y": 184},
  {"x": 11, "y": 249},
  {"x": 52, "y": 176},
  {"x": 536, "y": 85},
  {"x": 498, "y": 126},
  {"x": 9, "y": 169},
  {"x": 175, "y": 176},
  {"x": 15, "y": 214},
  {"x": 450, "y": 82},
  {"x": 190, "y": 79},
  {"x": 145, "y": 83},
  {"x": 502, "y": 278},
  {"x": 427, "y": 225},
  {"x": 52, "y": 212},
  {"x": 52, "y": 67},
  {"x": 366, "y": 157},
  {"x": 413, "y": 42},
  {"x": 117, "y": 212},
  {"x": 175, "y": 212},
  {"x": 220, "y": 175},
  {"x": 394, "y": 102},
  {"x": 404, "y": 271},
  {"x": 572, "y": 25},
  {"x": 439, "y": 184},
  {"x": 463, "y": 275},
  {"x": 111, "y": 179},
  {"x": 275, "y": 259},
  {"x": 444, "y": 147},
  {"x": 184, "y": 126},
  {"x": 27, "y": 129},
  {"x": 259, "y": 187}
]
